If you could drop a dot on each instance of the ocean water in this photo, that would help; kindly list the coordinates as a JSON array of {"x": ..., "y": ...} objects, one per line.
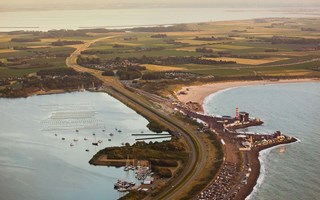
[
  {"x": 292, "y": 172},
  {"x": 116, "y": 18},
  {"x": 35, "y": 164}
]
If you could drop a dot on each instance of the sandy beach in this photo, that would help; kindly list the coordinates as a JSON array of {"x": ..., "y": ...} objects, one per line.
[{"x": 198, "y": 93}]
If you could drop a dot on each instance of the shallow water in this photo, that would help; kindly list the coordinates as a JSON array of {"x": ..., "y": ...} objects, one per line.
[
  {"x": 295, "y": 110},
  {"x": 35, "y": 164}
]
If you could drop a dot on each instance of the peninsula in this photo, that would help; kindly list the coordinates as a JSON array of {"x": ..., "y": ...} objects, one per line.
[{"x": 164, "y": 74}]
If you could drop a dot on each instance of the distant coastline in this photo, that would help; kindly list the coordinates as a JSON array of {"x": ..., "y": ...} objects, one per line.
[{"x": 123, "y": 17}]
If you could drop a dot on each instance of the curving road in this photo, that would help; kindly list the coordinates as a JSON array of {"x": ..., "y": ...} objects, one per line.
[{"x": 197, "y": 158}]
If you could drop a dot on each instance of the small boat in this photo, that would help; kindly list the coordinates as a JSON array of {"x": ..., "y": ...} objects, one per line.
[
  {"x": 77, "y": 130},
  {"x": 141, "y": 132},
  {"x": 282, "y": 149},
  {"x": 85, "y": 138},
  {"x": 111, "y": 134},
  {"x": 71, "y": 145},
  {"x": 55, "y": 134},
  {"x": 95, "y": 143},
  {"x": 123, "y": 185},
  {"x": 87, "y": 150},
  {"x": 63, "y": 138},
  {"x": 75, "y": 140},
  {"x": 109, "y": 139},
  {"x": 93, "y": 134},
  {"x": 122, "y": 189},
  {"x": 119, "y": 131},
  {"x": 100, "y": 141}
]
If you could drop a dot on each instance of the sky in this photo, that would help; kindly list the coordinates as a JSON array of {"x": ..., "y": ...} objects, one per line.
[{"x": 85, "y": 4}]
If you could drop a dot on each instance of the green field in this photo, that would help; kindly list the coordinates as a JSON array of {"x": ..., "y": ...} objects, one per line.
[
  {"x": 23, "y": 58},
  {"x": 248, "y": 40}
]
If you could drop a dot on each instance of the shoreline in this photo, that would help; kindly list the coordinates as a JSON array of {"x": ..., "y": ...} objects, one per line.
[
  {"x": 259, "y": 157},
  {"x": 198, "y": 93},
  {"x": 254, "y": 158}
]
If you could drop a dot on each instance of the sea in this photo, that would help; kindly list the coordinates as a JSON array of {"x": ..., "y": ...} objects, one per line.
[
  {"x": 126, "y": 18},
  {"x": 36, "y": 163},
  {"x": 289, "y": 171}
]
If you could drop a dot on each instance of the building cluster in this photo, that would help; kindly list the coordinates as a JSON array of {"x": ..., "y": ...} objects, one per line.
[
  {"x": 249, "y": 141},
  {"x": 271, "y": 139},
  {"x": 221, "y": 186}
]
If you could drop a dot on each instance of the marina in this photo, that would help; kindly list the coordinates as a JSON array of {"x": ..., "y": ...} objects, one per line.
[{"x": 53, "y": 147}]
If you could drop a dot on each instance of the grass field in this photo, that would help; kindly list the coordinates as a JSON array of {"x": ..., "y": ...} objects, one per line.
[
  {"x": 157, "y": 68},
  {"x": 245, "y": 61},
  {"x": 238, "y": 41},
  {"x": 31, "y": 56}
]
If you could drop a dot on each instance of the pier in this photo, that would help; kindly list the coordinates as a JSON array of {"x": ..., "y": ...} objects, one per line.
[
  {"x": 149, "y": 134},
  {"x": 223, "y": 123},
  {"x": 153, "y": 138},
  {"x": 238, "y": 174}
]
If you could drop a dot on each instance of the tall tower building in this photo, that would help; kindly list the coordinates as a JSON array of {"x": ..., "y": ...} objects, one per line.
[{"x": 237, "y": 113}]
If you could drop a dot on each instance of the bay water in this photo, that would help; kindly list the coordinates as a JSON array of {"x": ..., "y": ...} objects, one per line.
[
  {"x": 36, "y": 164},
  {"x": 290, "y": 171}
]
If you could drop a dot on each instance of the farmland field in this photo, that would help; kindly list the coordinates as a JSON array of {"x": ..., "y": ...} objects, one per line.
[{"x": 277, "y": 47}]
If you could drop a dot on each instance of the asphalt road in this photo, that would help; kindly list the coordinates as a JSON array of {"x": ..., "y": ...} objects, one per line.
[{"x": 196, "y": 147}]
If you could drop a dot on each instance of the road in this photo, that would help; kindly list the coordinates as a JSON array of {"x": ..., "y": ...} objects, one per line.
[{"x": 197, "y": 153}]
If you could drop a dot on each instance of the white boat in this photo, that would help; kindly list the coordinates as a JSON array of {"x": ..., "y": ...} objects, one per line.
[
  {"x": 121, "y": 189},
  {"x": 123, "y": 186},
  {"x": 282, "y": 149}
]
